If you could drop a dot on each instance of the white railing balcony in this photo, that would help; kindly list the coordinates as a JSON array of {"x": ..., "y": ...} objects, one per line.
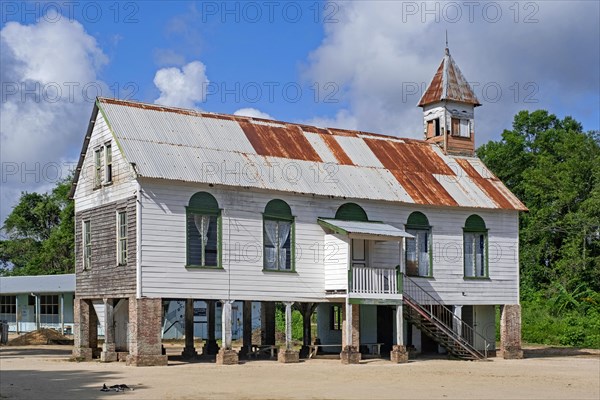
[{"x": 375, "y": 281}]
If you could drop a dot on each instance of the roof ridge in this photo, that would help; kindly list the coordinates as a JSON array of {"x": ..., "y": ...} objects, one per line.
[{"x": 210, "y": 114}]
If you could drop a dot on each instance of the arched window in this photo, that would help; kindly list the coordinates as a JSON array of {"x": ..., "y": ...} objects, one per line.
[
  {"x": 418, "y": 250},
  {"x": 351, "y": 212},
  {"x": 203, "y": 224},
  {"x": 475, "y": 247},
  {"x": 278, "y": 236}
]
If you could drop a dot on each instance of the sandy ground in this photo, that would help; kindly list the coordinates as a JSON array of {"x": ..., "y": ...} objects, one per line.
[{"x": 44, "y": 372}]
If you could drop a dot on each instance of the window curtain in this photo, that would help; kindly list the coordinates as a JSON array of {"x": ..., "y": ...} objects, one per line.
[
  {"x": 284, "y": 233},
  {"x": 202, "y": 223},
  {"x": 411, "y": 254},
  {"x": 423, "y": 253},
  {"x": 479, "y": 256},
  {"x": 270, "y": 244},
  {"x": 469, "y": 268}
]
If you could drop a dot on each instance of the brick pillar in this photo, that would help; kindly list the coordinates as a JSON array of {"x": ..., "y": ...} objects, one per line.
[
  {"x": 189, "y": 351},
  {"x": 145, "y": 324},
  {"x": 247, "y": 329},
  {"x": 510, "y": 332},
  {"x": 210, "y": 346},
  {"x": 355, "y": 325},
  {"x": 350, "y": 353},
  {"x": 81, "y": 313},
  {"x": 108, "y": 348},
  {"x": 93, "y": 332},
  {"x": 267, "y": 323}
]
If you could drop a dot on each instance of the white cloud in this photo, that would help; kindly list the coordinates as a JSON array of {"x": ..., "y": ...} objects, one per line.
[
  {"x": 182, "y": 87},
  {"x": 343, "y": 119},
  {"x": 377, "y": 53},
  {"x": 49, "y": 84},
  {"x": 252, "y": 112}
]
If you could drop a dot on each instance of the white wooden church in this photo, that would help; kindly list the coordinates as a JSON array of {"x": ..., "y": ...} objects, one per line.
[{"x": 395, "y": 243}]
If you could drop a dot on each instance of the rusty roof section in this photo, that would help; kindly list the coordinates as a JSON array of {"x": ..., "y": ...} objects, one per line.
[
  {"x": 413, "y": 165},
  {"x": 177, "y": 144},
  {"x": 336, "y": 149},
  {"x": 448, "y": 83},
  {"x": 275, "y": 140},
  {"x": 485, "y": 184}
]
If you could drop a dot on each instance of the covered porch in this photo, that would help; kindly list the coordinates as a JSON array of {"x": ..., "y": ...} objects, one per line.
[{"x": 364, "y": 266}]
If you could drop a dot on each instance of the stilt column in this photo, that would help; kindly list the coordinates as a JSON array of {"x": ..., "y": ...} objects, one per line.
[
  {"x": 351, "y": 334},
  {"x": 267, "y": 321},
  {"x": 82, "y": 349},
  {"x": 189, "y": 351},
  {"x": 145, "y": 325},
  {"x": 288, "y": 354},
  {"x": 247, "y": 329},
  {"x": 210, "y": 346},
  {"x": 399, "y": 353},
  {"x": 226, "y": 356},
  {"x": 108, "y": 348},
  {"x": 510, "y": 332}
]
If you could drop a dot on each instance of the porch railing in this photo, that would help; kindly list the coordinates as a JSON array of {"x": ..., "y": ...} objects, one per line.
[{"x": 370, "y": 280}]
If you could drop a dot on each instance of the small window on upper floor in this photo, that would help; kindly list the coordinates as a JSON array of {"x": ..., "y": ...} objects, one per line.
[
  {"x": 461, "y": 127},
  {"x": 108, "y": 165},
  {"x": 418, "y": 250},
  {"x": 278, "y": 236},
  {"x": 87, "y": 244},
  {"x": 98, "y": 155},
  {"x": 103, "y": 165},
  {"x": 203, "y": 221},
  {"x": 122, "y": 237},
  {"x": 475, "y": 239}
]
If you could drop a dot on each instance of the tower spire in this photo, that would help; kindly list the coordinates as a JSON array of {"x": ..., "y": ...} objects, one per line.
[{"x": 447, "y": 50}]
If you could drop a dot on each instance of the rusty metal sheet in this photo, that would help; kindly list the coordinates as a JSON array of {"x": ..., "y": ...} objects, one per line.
[
  {"x": 423, "y": 188},
  {"x": 337, "y": 150},
  {"x": 410, "y": 155},
  {"x": 486, "y": 185},
  {"x": 285, "y": 141},
  {"x": 448, "y": 83}
]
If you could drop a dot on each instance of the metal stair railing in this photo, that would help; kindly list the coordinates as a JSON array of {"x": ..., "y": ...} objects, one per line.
[{"x": 461, "y": 333}]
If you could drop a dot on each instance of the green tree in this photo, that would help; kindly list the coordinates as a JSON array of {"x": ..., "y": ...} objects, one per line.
[
  {"x": 554, "y": 168},
  {"x": 39, "y": 234}
]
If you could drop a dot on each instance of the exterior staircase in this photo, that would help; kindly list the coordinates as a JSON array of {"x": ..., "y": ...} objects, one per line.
[{"x": 439, "y": 322}]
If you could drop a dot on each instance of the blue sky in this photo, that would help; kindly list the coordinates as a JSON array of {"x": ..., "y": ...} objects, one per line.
[{"x": 359, "y": 65}]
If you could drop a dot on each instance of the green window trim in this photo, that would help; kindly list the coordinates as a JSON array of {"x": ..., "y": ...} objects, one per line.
[
  {"x": 351, "y": 212},
  {"x": 417, "y": 221},
  {"x": 475, "y": 227},
  {"x": 204, "y": 204},
  {"x": 279, "y": 211}
]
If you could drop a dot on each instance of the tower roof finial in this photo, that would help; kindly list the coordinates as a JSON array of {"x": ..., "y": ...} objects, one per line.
[{"x": 447, "y": 50}]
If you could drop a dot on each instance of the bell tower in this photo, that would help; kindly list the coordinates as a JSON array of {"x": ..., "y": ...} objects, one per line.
[{"x": 448, "y": 109}]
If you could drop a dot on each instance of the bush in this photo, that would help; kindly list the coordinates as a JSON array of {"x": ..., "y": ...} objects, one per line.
[{"x": 542, "y": 324}]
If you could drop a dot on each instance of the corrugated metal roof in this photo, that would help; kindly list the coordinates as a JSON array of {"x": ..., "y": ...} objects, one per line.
[
  {"x": 448, "y": 83},
  {"x": 376, "y": 230},
  {"x": 37, "y": 284},
  {"x": 190, "y": 146}
]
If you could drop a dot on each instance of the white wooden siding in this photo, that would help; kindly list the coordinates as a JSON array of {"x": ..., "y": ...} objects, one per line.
[
  {"x": 336, "y": 252},
  {"x": 164, "y": 248},
  {"x": 123, "y": 182}
]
